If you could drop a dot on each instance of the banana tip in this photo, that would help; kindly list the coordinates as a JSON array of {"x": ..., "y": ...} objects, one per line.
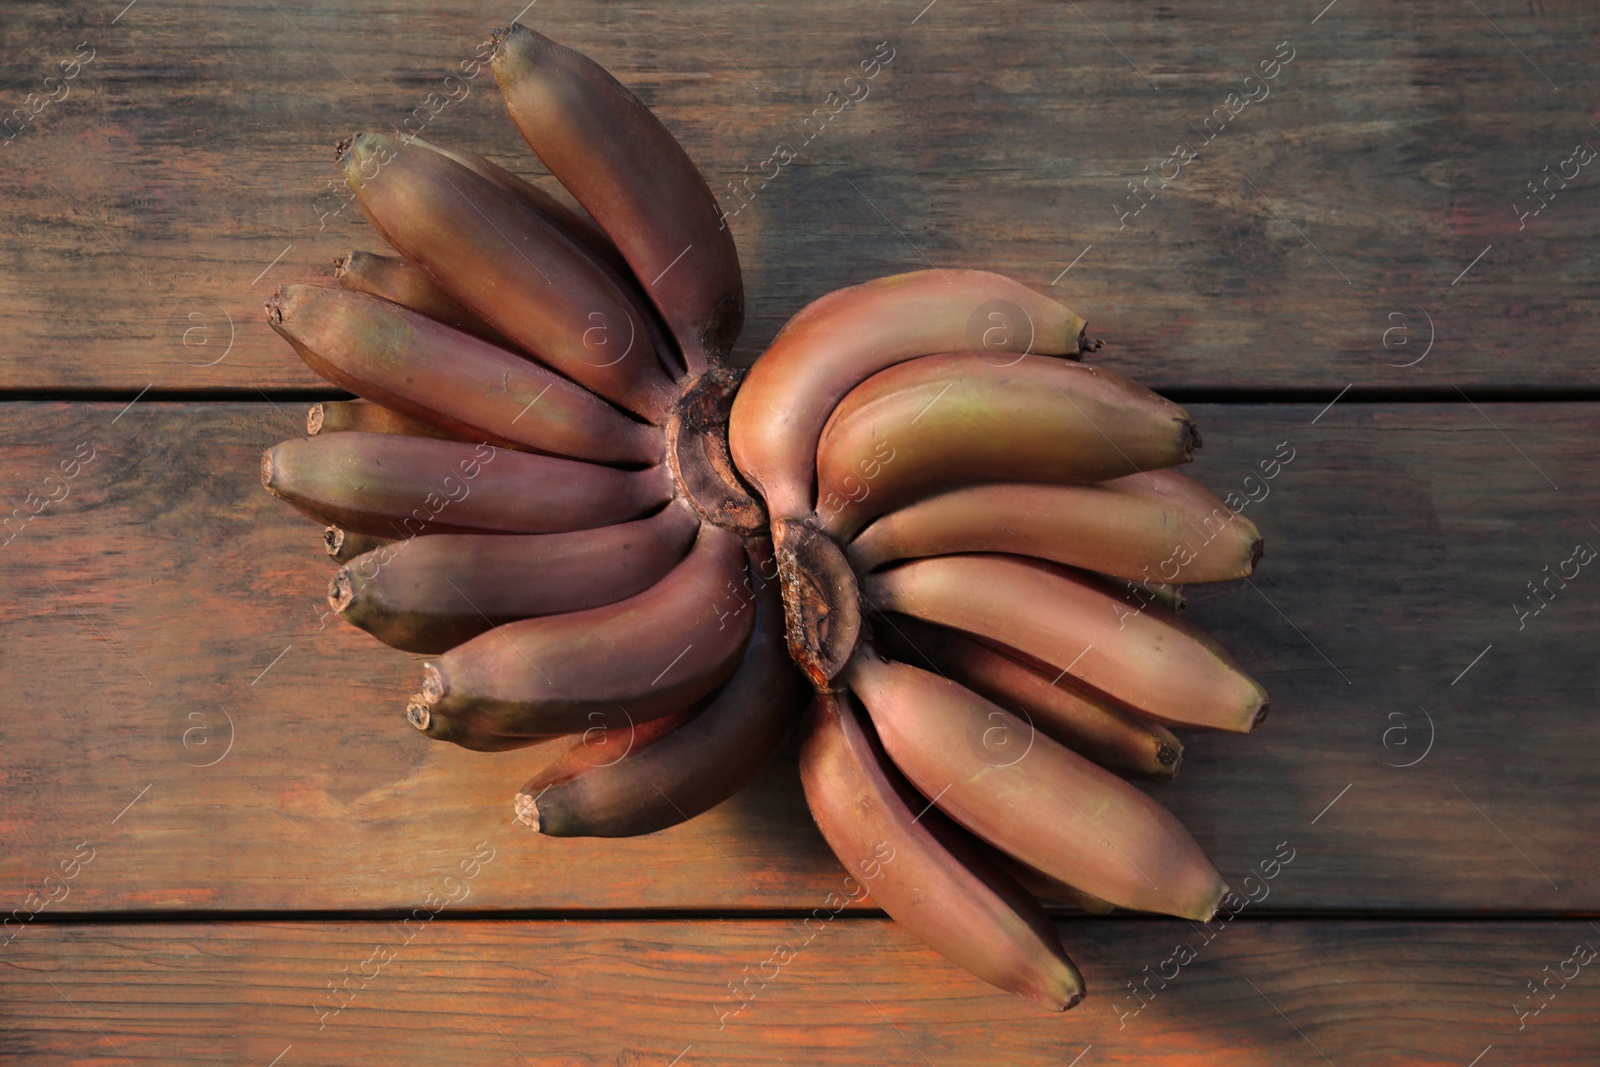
[
  {"x": 267, "y": 470},
  {"x": 332, "y": 537},
  {"x": 506, "y": 40},
  {"x": 314, "y": 419},
  {"x": 342, "y": 149},
  {"x": 417, "y": 713},
  {"x": 527, "y": 810},
  {"x": 1064, "y": 993},
  {"x": 1208, "y": 910},
  {"x": 274, "y": 308},
  {"x": 1261, "y": 714},
  {"x": 1257, "y": 547},
  {"x": 518, "y": 51}
]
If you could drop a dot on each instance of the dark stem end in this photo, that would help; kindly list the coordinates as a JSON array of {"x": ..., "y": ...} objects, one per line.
[
  {"x": 702, "y": 466},
  {"x": 821, "y": 602}
]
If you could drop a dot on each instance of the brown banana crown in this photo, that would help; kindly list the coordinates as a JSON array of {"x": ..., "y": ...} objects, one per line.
[{"x": 916, "y": 506}]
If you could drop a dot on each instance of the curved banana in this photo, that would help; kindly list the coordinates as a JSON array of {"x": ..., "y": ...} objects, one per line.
[
  {"x": 515, "y": 268},
  {"x": 1079, "y": 718},
  {"x": 938, "y": 422},
  {"x": 575, "y": 224},
  {"x": 622, "y": 782},
  {"x": 578, "y": 226},
  {"x": 1146, "y": 659},
  {"x": 1044, "y": 804},
  {"x": 1045, "y": 887},
  {"x": 919, "y": 869},
  {"x": 459, "y": 733},
  {"x": 392, "y": 278},
  {"x": 413, "y": 365},
  {"x": 639, "y": 659},
  {"x": 602, "y": 744},
  {"x": 1131, "y": 528},
  {"x": 632, "y": 176},
  {"x": 363, "y": 416},
  {"x": 389, "y": 485},
  {"x": 835, "y": 343},
  {"x": 432, "y": 593}
]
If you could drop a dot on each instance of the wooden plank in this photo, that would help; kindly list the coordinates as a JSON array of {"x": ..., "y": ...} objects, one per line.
[
  {"x": 180, "y": 704},
  {"x": 1365, "y": 206},
  {"x": 858, "y": 992}
]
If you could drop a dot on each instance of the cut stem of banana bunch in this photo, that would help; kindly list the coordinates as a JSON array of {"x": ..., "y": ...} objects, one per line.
[{"x": 918, "y": 500}]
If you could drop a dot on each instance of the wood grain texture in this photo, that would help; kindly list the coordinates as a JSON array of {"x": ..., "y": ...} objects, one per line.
[
  {"x": 180, "y": 701},
  {"x": 1319, "y": 239},
  {"x": 1263, "y": 994}
]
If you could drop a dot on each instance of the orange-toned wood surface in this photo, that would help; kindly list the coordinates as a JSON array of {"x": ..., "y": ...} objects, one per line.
[{"x": 1261, "y": 994}]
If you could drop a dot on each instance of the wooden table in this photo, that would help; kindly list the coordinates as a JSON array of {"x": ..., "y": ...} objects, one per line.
[{"x": 1351, "y": 268}]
